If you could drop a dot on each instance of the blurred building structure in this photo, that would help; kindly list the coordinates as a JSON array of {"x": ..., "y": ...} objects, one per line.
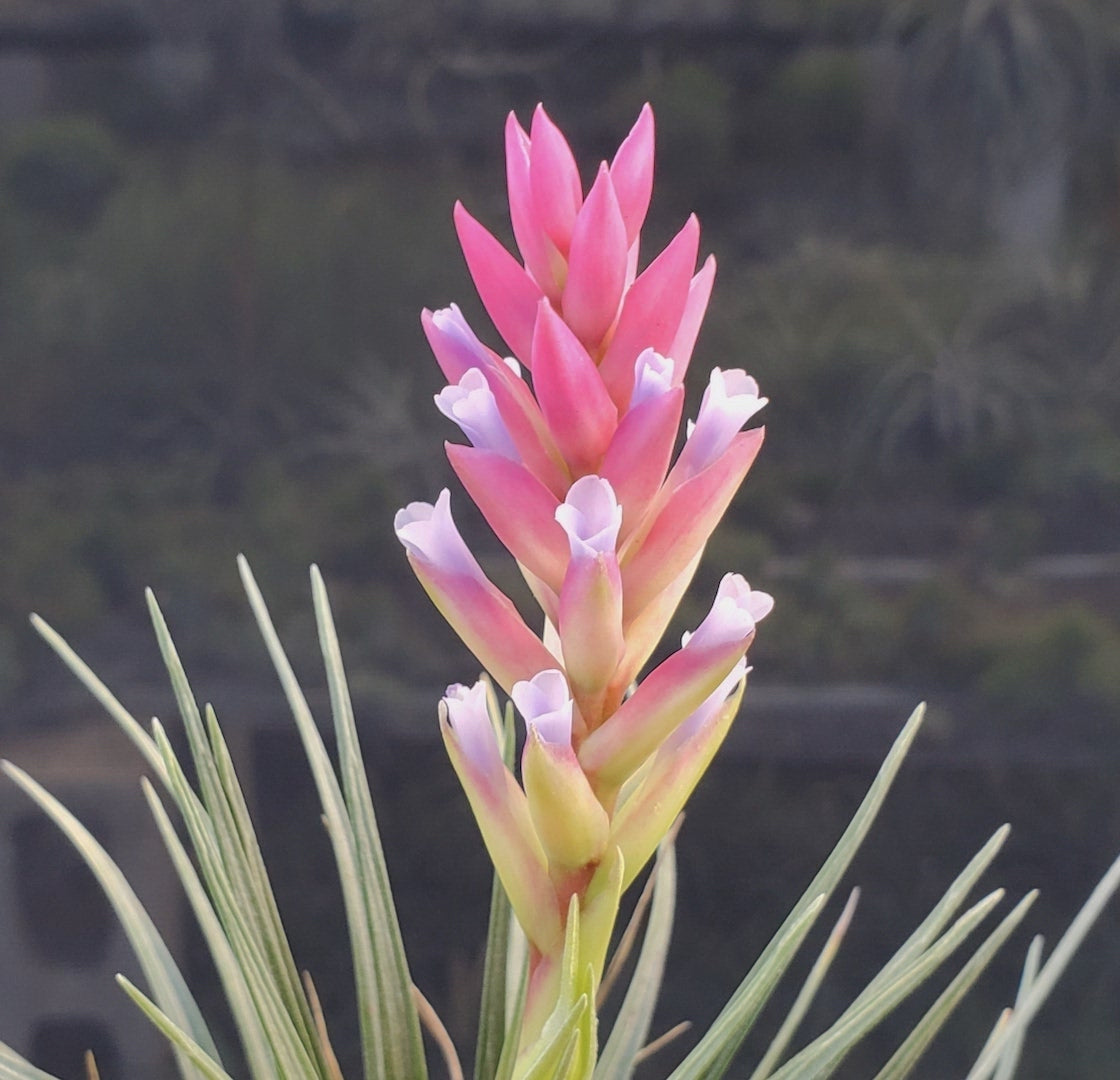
[{"x": 60, "y": 942}]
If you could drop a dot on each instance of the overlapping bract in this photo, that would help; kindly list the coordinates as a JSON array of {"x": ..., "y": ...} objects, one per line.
[{"x": 569, "y": 456}]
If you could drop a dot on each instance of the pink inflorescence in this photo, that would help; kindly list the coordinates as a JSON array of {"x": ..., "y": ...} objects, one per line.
[{"x": 570, "y": 458}]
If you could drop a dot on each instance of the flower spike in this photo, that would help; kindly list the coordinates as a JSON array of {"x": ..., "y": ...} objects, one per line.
[{"x": 571, "y": 464}]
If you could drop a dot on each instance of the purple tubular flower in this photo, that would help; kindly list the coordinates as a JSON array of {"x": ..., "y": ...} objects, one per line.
[
  {"x": 730, "y": 400},
  {"x": 570, "y": 822},
  {"x": 469, "y": 719},
  {"x": 545, "y": 703},
  {"x": 470, "y": 403}
]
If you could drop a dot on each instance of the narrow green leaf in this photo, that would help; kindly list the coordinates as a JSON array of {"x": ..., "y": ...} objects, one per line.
[
  {"x": 492, "y": 1009},
  {"x": 239, "y": 859},
  {"x": 392, "y": 984},
  {"x": 710, "y": 1058},
  {"x": 558, "y": 1068},
  {"x": 631, "y": 1026},
  {"x": 917, "y": 1042},
  {"x": 245, "y": 862},
  {"x": 145, "y": 743},
  {"x": 14, "y": 1067},
  {"x": 825, "y": 1053},
  {"x": 232, "y": 828},
  {"x": 584, "y": 1065},
  {"x": 180, "y": 685},
  {"x": 104, "y": 696},
  {"x": 517, "y": 967},
  {"x": 180, "y": 1040},
  {"x": 557, "y": 1052},
  {"x": 254, "y": 1040},
  {"x": 1009, "y": 1059},
  {"x": 995, "y": 1036},
  {"x": 164, "y": 977},
  {"x": 938, "y": 918},
  {"x": 1051, "y": 971},
  {"x": 807, "y": 992},
  {"x": 573, "y": 1011},
  {"x": 718, "y": 1047},
  {"x": 517, "y": 987},
  {"x": 383, "y": 1058},
  {"x": 236, "y": 911}
]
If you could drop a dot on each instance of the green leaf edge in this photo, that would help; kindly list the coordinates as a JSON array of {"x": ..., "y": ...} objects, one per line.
[
  {"x": 390, "y": 1026},
  {"x": 917, "y": 1042},
  {"x": 632, "y": 1024},
  {"x": 712, "y": 1056},
  {"x": 168, "y": 985},
  {"x": 1051, "y": 971},
  {"x": 808, "y": 991}
]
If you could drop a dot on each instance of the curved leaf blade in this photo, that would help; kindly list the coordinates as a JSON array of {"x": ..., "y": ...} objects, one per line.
[{"x": 168, "y": 986}]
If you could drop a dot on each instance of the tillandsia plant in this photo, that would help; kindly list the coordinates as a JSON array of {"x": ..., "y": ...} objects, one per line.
[{"x": 572, "y": 461}]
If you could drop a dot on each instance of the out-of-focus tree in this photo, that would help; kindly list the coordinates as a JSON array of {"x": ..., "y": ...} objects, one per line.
[{"x": 998, "y": 94}]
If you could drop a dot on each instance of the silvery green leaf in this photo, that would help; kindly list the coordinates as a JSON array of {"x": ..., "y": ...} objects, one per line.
[
  {"x": 1009, "y": 1059},
  {"x": 910, "y": 1052},
  {"x": 254, "y": 1038},
  {"x": 807, "y": 992},
  {"x": 938, "y": 918},
  {"x": 163, "y": 975},
  {"x": 824, "y": 1054},
  {"x": 632, "y": 1024},
  {"x": 179, "y": 1039},
  {"x": 712, "y": 1056},
  {"x": 393, "y": 1002},
  {"x": 221, "y": 828},
  {"x": 14, "y": 1067},
  {"x": 1041, "y": 987},
  {"x": 556, "y": 1053},
  {"x": 391, "y": 1047}
]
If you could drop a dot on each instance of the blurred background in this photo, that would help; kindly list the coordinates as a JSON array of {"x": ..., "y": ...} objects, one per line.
[{"x": 218, "y": 224}]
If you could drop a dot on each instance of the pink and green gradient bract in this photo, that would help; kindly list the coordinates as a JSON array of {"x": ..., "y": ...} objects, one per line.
[{"x": 569, "y": 456}]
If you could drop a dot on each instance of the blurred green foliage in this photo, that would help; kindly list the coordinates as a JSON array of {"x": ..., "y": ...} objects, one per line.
[
  {"x": 1063, "y": 663},
  {"x": 61, "y": 170}
]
